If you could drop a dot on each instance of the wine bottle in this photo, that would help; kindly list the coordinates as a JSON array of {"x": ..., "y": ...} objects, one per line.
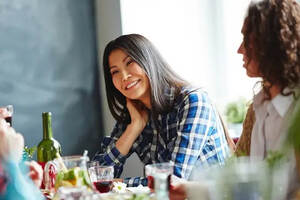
[{"x": 48, "y": 149}]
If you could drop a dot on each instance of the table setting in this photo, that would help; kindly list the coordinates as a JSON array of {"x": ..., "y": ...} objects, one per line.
[{"x": 75, "y": 177}]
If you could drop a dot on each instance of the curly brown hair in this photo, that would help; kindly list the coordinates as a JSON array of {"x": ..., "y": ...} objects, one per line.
[{"x": 273, "y": 28}]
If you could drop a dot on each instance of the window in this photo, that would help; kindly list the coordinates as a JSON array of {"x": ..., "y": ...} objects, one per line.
[{"x": 199, "y": 39}]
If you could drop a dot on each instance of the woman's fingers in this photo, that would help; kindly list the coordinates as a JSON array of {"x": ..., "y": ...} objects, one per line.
[
  {"x": 138, "y": 113},
  {"x": 134, "y": 109},
  {"x": 4, "y": 113},
  {"x": 11, "y": 143},
  {"x": 178, "y": 192},
  {"x": 35, "y": 172}
]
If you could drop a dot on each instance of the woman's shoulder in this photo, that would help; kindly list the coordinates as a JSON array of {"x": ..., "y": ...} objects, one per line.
[{"x": 193, "y": 95}]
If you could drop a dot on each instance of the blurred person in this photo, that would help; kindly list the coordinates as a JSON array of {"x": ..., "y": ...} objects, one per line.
[
  {"x": 14, "y": 181},
  {"x": 159, "y": 115},
  {"x": 271, "y": 51}
]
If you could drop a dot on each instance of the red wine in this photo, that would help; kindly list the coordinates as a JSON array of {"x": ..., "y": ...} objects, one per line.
[
  {"x": 9, "y": 120},
  {"x": 103, "y": 186},
  {"x": 151, "y": 182},
  {"x": 235, "y": 139}
]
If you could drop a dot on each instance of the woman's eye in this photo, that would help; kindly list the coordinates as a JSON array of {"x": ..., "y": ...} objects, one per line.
[
  {"x": 129, "y": 62},
  {"x": 113, "y": 72}
]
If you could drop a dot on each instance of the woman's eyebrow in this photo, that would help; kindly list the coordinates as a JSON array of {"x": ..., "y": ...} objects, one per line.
[
  {"x": 111, "y": 67},
  {"x": 125, "y": 58}
]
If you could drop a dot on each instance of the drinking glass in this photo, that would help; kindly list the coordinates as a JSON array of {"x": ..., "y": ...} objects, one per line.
[
  {"x": 67, "y": 171},
  {"x": 102, "y": 177},
  {"x": 93, "y": 163},
  {"x": 6, "y": 112},
  {"x": 159, "y": 171},
  {"x": 242, "y": 179}
]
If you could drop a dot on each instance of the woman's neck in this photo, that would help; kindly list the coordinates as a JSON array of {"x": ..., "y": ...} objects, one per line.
[
  {"x": 274, "y": 91},
  {"x": 147, "y": 103},
  {"x": 146, "y": 100}
]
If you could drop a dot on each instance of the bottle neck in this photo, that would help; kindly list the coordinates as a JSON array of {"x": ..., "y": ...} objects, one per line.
[{"x": 47, "y": 127}]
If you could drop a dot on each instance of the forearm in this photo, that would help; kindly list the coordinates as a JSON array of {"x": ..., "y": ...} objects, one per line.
[{"x": 127, "y": 139}]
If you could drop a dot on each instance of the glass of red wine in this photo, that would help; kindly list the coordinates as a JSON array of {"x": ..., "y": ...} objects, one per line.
[
  {"x": 6, "y": 112},
  {"x": 102, "y": 177},
  {"x": 166, "y": 169}
]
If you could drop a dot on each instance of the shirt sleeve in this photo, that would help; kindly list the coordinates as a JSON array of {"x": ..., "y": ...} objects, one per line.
[
  {"x": 19, "y": 185},
  {"x": 197, "y": 135},
  {"x": 136, "y": 181},
  {"x": 109, "y": 154}
]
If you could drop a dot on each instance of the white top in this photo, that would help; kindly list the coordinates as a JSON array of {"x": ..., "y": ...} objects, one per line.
[{"x": 268, "y": 133}]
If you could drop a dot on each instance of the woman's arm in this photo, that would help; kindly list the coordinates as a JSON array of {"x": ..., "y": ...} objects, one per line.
[
  {"x": 18, "y": 185},
  {"x": 139, "y": 118},
  {"x": 108, "y": 154},
  {"x": 116, "y": 148}
]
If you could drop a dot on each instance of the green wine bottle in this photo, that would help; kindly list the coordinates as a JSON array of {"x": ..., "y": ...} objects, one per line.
[{"x": 48, "y": 149}]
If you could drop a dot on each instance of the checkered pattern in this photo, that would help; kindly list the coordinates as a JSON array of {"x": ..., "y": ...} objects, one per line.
[{"x": 190, "y": 133}]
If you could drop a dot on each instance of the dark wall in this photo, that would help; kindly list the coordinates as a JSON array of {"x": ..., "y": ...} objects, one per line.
[{"x": 48, "y": 62}]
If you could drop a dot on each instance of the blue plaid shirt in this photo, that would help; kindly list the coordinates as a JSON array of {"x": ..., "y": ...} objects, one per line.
[{"x": 190, "y": 133}]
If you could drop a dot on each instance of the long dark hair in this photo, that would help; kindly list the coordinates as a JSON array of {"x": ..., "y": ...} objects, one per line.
[
  {"x": 161, "y": 76},
  {"x": 273, "y": 29}
]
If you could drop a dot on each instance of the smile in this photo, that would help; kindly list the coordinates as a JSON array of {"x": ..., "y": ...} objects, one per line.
[{"x": 134, "y": 83}]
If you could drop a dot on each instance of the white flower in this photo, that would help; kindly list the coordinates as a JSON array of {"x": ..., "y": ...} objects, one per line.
[{"x": 119, "y": 187}]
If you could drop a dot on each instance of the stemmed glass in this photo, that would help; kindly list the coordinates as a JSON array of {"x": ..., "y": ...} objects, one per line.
[
  {"x": 102, "y": 177},
  {"x": 6, "y": 112}
]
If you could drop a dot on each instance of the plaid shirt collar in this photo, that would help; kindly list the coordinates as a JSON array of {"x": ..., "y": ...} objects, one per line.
[{"x": 175, "y": 101}]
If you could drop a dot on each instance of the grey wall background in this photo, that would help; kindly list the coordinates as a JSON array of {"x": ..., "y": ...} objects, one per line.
[
  {"x": 48, "y": 61},
  {"x": 109, "y": 27}
]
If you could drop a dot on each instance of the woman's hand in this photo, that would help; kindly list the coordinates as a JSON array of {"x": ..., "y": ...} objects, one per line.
[
  {"x": 138, "y": 114},
  {"x": 11, "y": 143},
  {"x": 4, "y": 113},
  {"x": 139, "y": 118},
  {"x": 178, "y": 192},
  {"x": 35, "y": 173}
]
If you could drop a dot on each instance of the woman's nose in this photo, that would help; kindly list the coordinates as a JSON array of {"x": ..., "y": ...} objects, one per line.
[
  {"x": 240, "y": 49},
  {"x": 126, "y": 76}
]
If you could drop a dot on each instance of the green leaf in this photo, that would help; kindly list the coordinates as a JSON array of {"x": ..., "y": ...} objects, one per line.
[
  {"x": 236, "y": 111},
  {"x": 273, "y": 158},
  {"x": 30, "y": 151}
]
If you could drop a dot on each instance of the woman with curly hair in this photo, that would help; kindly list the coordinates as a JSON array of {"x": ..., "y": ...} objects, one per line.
[{"x": 271, "y": 51}]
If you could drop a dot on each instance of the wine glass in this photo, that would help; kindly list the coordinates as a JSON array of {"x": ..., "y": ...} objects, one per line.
[
  {"x": 6, "y": 112},
  {"x": 102, "y": 177}
]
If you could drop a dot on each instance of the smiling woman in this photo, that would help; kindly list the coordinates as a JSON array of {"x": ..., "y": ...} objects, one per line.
[
  {"x": 129, "y": 78},
  {"x": 160, "y": 116}
]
